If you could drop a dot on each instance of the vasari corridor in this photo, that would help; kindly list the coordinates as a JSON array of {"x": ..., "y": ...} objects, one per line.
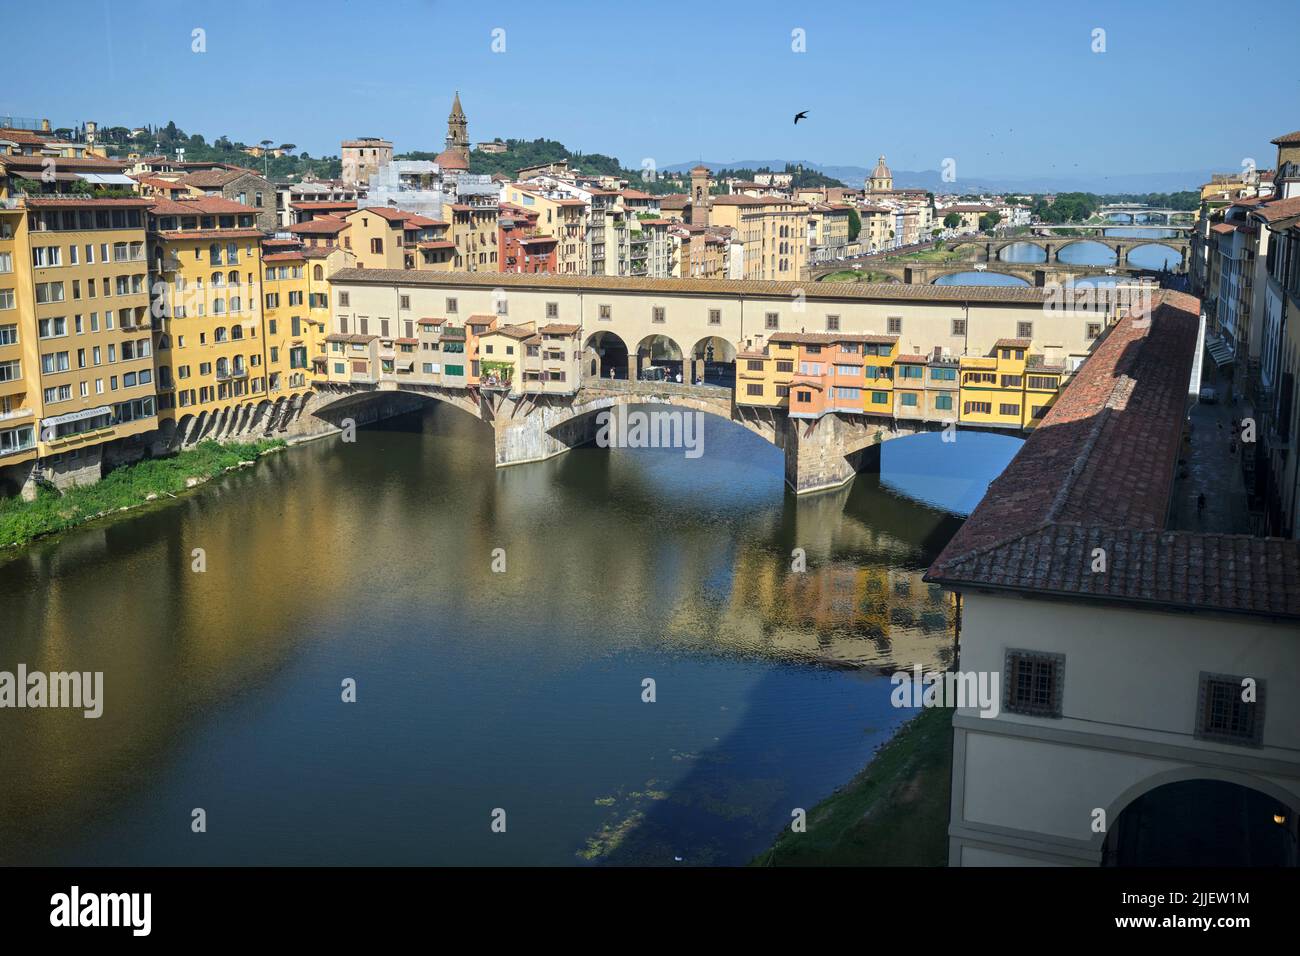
[{"x": 455, "y": 460}]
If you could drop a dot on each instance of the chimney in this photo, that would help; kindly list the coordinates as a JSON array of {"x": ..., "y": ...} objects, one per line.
[{"x": 45, "y": 126}]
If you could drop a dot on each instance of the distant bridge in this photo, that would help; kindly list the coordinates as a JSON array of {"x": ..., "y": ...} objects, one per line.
[{"x": 1133, "y": 210}]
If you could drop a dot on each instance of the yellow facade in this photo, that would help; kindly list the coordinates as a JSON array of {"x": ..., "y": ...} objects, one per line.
[
  {"x": 208, "y": 274},
  {"x": 76, "y": 356},
  {"x": 993, "y": 387},
  {"x": 772, "y": 230},
  {"x": 295, "y": 314}
]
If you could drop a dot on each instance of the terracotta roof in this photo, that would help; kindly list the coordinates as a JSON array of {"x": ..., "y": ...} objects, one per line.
[
  {"x": 1223, "y": 228},
  {"x": 432, "y": 321},
  {"x": 1012, "y": 344},
  {"x": 309, "y": 204},
  {"x": 636, "y": 194},
  {"x": 318, "y": 252},
  {"x": 284, "y": 256},
  {"x": 1274, "y": 209},
  {"x": 1287, "y": 139},
  {"x": 65, "y": 163},
  {"x": 214, "y": 178},
  {"x": 354, "y": 339},
  {"x": 912, "y": 359},
  {"x": 1038, "y": 297},
  {"x": 830, "y": 338},
  {"x": 513, "y": 331},
  {"x": 87, "y": 201},
  {"x": 414, "y": 221},
  {"x": 674, "y": 201},
  {"x": 741, "y": 200},
  {"x": 557, "y": 328},
  {"x": 1098, "y": 473},
  {"x": 199, "y": 206},
  {"x": 327, "y": 225},
  {"x": 436, "y": 244}
]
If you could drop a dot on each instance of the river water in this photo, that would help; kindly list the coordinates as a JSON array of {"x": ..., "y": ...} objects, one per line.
[{"x": 476, "y": 690}]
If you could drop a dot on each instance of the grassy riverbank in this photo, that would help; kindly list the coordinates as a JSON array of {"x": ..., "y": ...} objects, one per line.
[
  {"x": 893, "y": 813},
  {"x": 124, "y": 487},
  {"x": 858, "y": 275}
]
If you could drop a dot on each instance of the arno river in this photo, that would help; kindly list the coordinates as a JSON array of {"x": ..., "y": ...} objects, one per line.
[{"x": 476, "y": 690}]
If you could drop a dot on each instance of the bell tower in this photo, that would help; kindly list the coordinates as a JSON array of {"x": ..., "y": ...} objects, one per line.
[{"x": 457, "y": 127}]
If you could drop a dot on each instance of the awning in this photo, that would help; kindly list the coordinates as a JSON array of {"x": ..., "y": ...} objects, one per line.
[
  {"x": 406, "y": 365},
  {"x": 1219, "y": 350},
  {"x": 77, "y": 416},
  {"x": 107, "y": 179}
]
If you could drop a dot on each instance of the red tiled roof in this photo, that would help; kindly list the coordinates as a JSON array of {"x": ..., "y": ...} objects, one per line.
[
  {"x": 1287, "y": 139},
  {"x": 326, "y": 225},
  {"x": 214, "y": 178},
  {"x": 284, "y": 256},
  {"x": 1274, "y": 209},
  {"x": 71, "y": 200},
  {"x": 558, "y": 328},
  {"x": 204, "y": 205},
  {"x": 1098, "y": 473},
  {"x": 830, "y": 338},
  {"x": 1223, "y": 228},
  {"x": 1012, "y": 344},
  {"x": 211, "y": 234}
]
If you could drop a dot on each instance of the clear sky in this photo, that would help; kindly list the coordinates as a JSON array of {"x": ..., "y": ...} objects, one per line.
[{"x": 1005, "y": 87}]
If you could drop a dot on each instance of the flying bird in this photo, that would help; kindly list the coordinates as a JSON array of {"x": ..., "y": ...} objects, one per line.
[{"x": 800, "y": 115}]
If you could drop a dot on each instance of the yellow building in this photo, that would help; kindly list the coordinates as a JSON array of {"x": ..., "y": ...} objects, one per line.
[
  {"x": 993, "y": 386},
  {"x": 473, "y": 236},
  {"x": 558, "y": 215},
  {"x": 773, "y": 232},
  {"x": 295, "y": 312},
  {"x": 76, "y": 356},
  {"x": 207, "y": 283}
]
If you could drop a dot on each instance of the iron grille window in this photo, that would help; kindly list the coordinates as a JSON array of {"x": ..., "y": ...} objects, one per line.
[
  {"x": 1034, "y": 681},
  {"x": 1223, "y": 715}
]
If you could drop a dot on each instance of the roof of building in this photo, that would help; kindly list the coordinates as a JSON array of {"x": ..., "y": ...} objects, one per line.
[
  {"x": 215, "y": 178},
  {"x": 71, "y": 200},
  {"x": 830, "y": 338},
  {"x": 1012, "y": 344},
  {"x": 557, "y": 328},
  {"x": 323, "y": 225},
  {"x": 452, "y": 159},
  {"x": 883, "y": 291},
  {"x": 210, "y": 234},
  {"x": 519, "y": 332},
  {"x": 200, "y": 205},
  {"x": 1287, "y": 139},
  {"x": 1098, "y": 472}
]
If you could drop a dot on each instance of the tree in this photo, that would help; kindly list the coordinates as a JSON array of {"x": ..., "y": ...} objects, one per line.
[
  {"x": 952, "y": 220},
  {"x": 855, "y": 224},
  {"x": 989, "y": 220}
]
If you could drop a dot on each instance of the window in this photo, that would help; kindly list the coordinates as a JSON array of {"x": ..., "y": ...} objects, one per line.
[
  {"x": 1024, "y": 330},
  {"x": 1006, "y": 409},
  {"x": 1221, "y": 713},
  {"x": 754, "y": 389},
  {"x": 1034, "y": 682},
  {"x": 832, "y": 323},
  {"x": 895, "y": 325},
  {"x": 977, "y": 408},
  {"x": 503, "y": 306},
  {"x": 1094, "y": 330},
  {"x": 1042, "y": 381},
  {"x": 8, "y": 335},
  {"x": 552, "y": 310},
  {"x": 849, "y": 393},
  {"x": 1011, "y": 381},
  {"x": 754, "y": 365},
  {"x": 803, "y": 396},
  {"x": 772, "y": 320},
  {"x": 785, "y": 365},
  {"x": 909, "y": 399},
  {"x": 943, "y": 403},
  {"x": 6, "y": 298},
  {"x": 51, "y": 328},
  {"x": 879, "y": 398},
  {"x": 958, "y": 326},
  {"x": 715, "y": 316},
  {"x": 657, "y": 314},
  {"x": 911, "y": 371},
  {"x": 943, "y": 374},
  {"x": 344, "y": 298},
  {"x": 451, "y": 306},
  {"x": 606, "y": 312}
]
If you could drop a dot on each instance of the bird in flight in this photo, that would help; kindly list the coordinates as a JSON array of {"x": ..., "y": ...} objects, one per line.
[{"x": 801, "y": 115}]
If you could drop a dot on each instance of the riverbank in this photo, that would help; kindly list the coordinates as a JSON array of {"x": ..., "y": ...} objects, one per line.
[
  {"x": 129, "y": 486},
  {"x": 893, "y": 813}
]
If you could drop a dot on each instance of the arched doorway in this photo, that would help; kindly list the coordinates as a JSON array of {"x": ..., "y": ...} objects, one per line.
[
  {"x": 612, "y": 353},
  {"x": 714, "y": 362},
  {"x": 1203, "y": 822},
  {"x": 662, "y": 353}
]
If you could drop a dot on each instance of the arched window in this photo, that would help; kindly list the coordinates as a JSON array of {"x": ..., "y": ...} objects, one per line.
[
  {"x": 164, "y": 341},
  {"x": 317, "y": 272},
  {"x": 233, "y": 277},
  {"x": 234, "y": 304},
  {"x": 219, "y": 334},
  {"x": 218, "y": 280},
  {"x": 236, "y": 331}
]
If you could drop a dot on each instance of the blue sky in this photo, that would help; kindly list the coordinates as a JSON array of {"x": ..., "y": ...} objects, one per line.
[{"x": 1005, "y": 88}]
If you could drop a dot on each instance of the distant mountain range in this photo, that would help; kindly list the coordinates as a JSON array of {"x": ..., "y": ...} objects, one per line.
[{"x": 932, "y": 180}]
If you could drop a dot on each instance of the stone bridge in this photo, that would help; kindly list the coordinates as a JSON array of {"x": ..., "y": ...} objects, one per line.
[
  {"x": 991, "y": 248},
  {"x": 820, "y": 454}
]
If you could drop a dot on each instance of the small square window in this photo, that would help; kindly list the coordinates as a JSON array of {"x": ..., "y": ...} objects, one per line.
[
  {"x": 832, "y": 323},
  {"x": 657, "y": 314},
  {"x": 958, "y": 326},
  {"x": 1033, "y": 681},
  {"x": 715, "y": 316},
  {"x": 1224, "y": 715},
  {"x": 552, "y": 310},
  {"x": 1024, "y": 330},
  {"x": 895, "y": 325},
  {"x": 772, "y": 320}
]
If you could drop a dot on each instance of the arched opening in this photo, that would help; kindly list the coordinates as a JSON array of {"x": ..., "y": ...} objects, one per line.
[
  {"x": 713, "y": 362},
  {"x": 612, "y": 354},
  {"x": 1156, "y": 256},
  {"x": 659, "y": 358},
  {"x": 1203, "y": 822},
  {"x": 1086, "y": 252},
  {"x": 1022, "y": 252},
  {"x": 980, "y": 277}
]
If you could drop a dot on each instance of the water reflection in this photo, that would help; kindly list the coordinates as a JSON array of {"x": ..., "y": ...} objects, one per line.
[{"x": 476, "y": 689}]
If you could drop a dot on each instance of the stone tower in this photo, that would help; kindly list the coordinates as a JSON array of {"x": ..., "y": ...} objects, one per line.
[
  {"x": 457, "y": 127},
  {"x": 700, "y": 201}
]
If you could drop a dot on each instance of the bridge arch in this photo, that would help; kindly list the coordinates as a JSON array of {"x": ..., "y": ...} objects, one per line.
[
  {"x": 1039, "y": 247},
  {"x": 334, "y": 408},
  {"x": 1172, "y": 255},
  {"x": 961, "y": 268},
  {"x": 765, "y": 426},
  {"x": 611, "y": 353}
]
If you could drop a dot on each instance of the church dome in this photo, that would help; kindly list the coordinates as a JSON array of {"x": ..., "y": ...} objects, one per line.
[
  {"x": 881, "y": 171},
  {"x": 452, "y": 159}
]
